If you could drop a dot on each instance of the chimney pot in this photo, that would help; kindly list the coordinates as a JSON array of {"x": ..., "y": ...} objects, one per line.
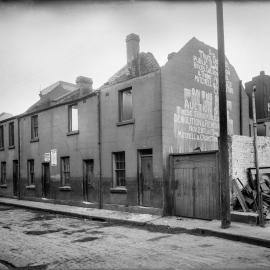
[
  {"x": 171, "y": 55},
  {"x": 133, "y": 47}
]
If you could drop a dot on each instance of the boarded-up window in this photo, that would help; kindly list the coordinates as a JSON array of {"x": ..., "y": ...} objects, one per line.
[
  {"x": 11, "y": 134},
  {"x": 3, "y": 173},
  {"x": 125, "y": 105},
  {"x": 31, "y": 171},
  {"x": 73, "y": 124},
  {"x": 119, "y": 170},
  {"x": 34, "y": 127},
  {"x": 2, "y": 137},
  {"x": 65, "y": 171}
]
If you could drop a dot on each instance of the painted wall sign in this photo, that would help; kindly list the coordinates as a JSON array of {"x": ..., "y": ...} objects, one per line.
[
  {"x": 54, "y": 157},
  {"x": 47, "y": 157}
]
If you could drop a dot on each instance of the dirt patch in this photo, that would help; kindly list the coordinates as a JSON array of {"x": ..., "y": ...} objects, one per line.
[
  {"x": 41, "y": 217},
  {"x": 158, "y": 238},
  {"x": 86, "y": 239},
  {"x": 206, "y": 245},
  {"x": 6, "y": 208},
  {"x": 43, "y": 232},
  {"x": 6, "y": 227}
]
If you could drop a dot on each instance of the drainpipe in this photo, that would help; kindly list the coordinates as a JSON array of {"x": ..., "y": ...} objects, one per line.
[
  {"x": 19, "y": 161},
  {"x": 100, "y": 197},
  {"x": 240, "y": 107}
]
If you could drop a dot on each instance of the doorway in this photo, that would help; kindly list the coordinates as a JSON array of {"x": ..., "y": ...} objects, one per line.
[
  {"x": 45, "y": 179},
  {"x": 88, "y": 180},
  {"x": 145, "y": 177},
  {"x": 15, "y": 177}
]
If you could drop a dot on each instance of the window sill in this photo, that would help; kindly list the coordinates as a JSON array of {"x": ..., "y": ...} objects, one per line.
[
  {"x": 2, "y": 149},
  {"x": 74, "y": 132},
  {"x": 127, "y": 122},
  {"x": 34, "y": 140},
  {"x": 122, "y": 190},
  {"x": 65, "y": 188},
  {"x": 11, "y": 147},
  {"x": 31, "y": 187},
  {"x": 3, "y": 186}
]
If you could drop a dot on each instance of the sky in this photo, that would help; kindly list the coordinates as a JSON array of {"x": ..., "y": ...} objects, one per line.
[{"x": 45, "y": 43}]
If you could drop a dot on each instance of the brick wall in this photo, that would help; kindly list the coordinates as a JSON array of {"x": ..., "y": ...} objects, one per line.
[{"x": 242, "y": 155}]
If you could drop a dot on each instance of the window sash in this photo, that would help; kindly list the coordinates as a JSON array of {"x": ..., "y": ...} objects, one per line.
[
  {"x": 11, "y": 134},
  {"x": 34, "y": 127},
  {"x": 126, "y": 105},
  {"x": 3, "y": 173},
  {"x": 65, "y": 171},
  {"x": 2, "y": 137},
  {"x": 31, "y": 172},
  {"x": 119, "y": 169},
  {"x": 73, "y": 117}
]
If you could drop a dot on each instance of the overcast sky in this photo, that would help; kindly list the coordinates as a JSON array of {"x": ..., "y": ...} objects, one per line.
[{"x": 44, "y": 43}]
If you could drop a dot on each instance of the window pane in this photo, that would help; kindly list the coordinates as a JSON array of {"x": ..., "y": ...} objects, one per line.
[
  {"x": 1, "y": 136},
  {"x": 126, "y": 105},
  {"x": 74, "y": 118}
]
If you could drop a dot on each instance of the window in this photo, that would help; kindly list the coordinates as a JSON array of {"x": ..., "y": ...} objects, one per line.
[
  {"x": 11, "y": 134},
  {"x": 34, "y": 127},
  {"x": 65, "y": 171},
  {"x": 3, "y": 173},
  {"x": 73, "y": 118},
  {"x": 31, "y": 172},
  {"x": 119, "y": 177},
  {"x": 125, "y": 105},
  {"x": 2, "y": 137}
]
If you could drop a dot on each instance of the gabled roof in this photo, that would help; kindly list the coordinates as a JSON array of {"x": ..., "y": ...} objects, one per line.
[
  {"x": 53, "y": 94},
  {"x": 5, "y": 115},
  {"x": 147, "y": 63}
]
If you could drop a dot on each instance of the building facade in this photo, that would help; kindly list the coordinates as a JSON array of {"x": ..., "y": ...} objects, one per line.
[{"x": 109, "y": 147}]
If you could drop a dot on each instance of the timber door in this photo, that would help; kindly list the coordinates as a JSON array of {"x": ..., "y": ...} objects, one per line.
[
  {"x": 196, "y": 185},
  {"x": 45, "y": 180},
  {"x": 88, "y": 180},
  {"x": 146, "y": 177},
  {"x": 15, "y": 177}
]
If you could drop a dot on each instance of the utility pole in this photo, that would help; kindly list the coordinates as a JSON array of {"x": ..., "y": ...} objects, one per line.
[
  {"x": 259, "y": 195},
  {"x": 223, "y": 129}
]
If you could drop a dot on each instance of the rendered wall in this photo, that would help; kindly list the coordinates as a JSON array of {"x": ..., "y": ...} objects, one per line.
[
  {"x": 144, "y": 133},
  {"x": 8, "y": 155},
  {"x": 53, "y": 129}
]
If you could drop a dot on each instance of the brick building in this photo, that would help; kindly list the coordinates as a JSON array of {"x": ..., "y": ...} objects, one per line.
[{"x": 109, "y": 147}]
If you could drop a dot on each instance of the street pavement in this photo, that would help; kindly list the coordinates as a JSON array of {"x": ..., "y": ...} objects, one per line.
[
  {"x": 33, "y": 239},
  {"x": 238, "y": 231}
]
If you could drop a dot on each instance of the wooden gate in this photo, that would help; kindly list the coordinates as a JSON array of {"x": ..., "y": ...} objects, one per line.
[{"x": 195, "y": 185}]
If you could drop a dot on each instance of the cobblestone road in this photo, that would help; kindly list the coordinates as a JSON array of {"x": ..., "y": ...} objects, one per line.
[{"x": 39, "y": 240}]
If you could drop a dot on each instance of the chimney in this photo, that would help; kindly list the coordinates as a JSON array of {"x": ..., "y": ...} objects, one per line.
[
  {"x": 171, "y": 55},
  {"x": 133, "y": 47},
  {"x": 85, "y": 85},
  {"x": 262, "y": 73}
]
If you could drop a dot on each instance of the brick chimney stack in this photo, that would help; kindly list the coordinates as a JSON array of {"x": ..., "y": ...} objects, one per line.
[
  {"x": 85, "y": 85},
  {"x": 133, "y": 47}
]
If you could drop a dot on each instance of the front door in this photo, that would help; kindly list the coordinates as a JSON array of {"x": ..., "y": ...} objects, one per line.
[
  {"x": 15, "y": 177},
  {"x": 45, "y": 179},
  {"x": 88, "y": 181},
  {"x": 146, "y": 178}
]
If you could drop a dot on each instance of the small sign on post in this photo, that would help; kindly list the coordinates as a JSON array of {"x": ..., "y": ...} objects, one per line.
[
  {"x": 54, "y": 157},
  {"x": 47, "y": 157}
]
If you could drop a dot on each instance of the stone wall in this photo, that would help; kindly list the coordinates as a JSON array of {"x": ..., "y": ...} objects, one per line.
[{"x": 242, "y": 155}]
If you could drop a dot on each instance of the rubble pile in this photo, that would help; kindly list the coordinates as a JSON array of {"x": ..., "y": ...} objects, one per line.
[{"x": 245, "y": 198}]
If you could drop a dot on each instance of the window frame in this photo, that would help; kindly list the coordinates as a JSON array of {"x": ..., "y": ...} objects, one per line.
[
  {"x": 2, "y": 137},
  {"x": 11, "y": 134},
  {"x": 34, "y": 127},
  {"x": 121, "y": 105},
  {"x": 119, "y": 172},
  {"x": 3, "y": 173},
  {"x": 31, "y": 172},
  {"x": 64, "y": 171},
  {"x": 70, "y": 119}
]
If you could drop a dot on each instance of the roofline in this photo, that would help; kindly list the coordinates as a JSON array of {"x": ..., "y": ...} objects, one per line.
[{"x": 19, "y": 116}]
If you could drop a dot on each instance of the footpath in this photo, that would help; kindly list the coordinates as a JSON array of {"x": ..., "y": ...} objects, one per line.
[{"x": 237, "y": 232}]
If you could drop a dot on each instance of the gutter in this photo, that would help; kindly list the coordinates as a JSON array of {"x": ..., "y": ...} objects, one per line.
[{"x": 100, "y": 197}]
